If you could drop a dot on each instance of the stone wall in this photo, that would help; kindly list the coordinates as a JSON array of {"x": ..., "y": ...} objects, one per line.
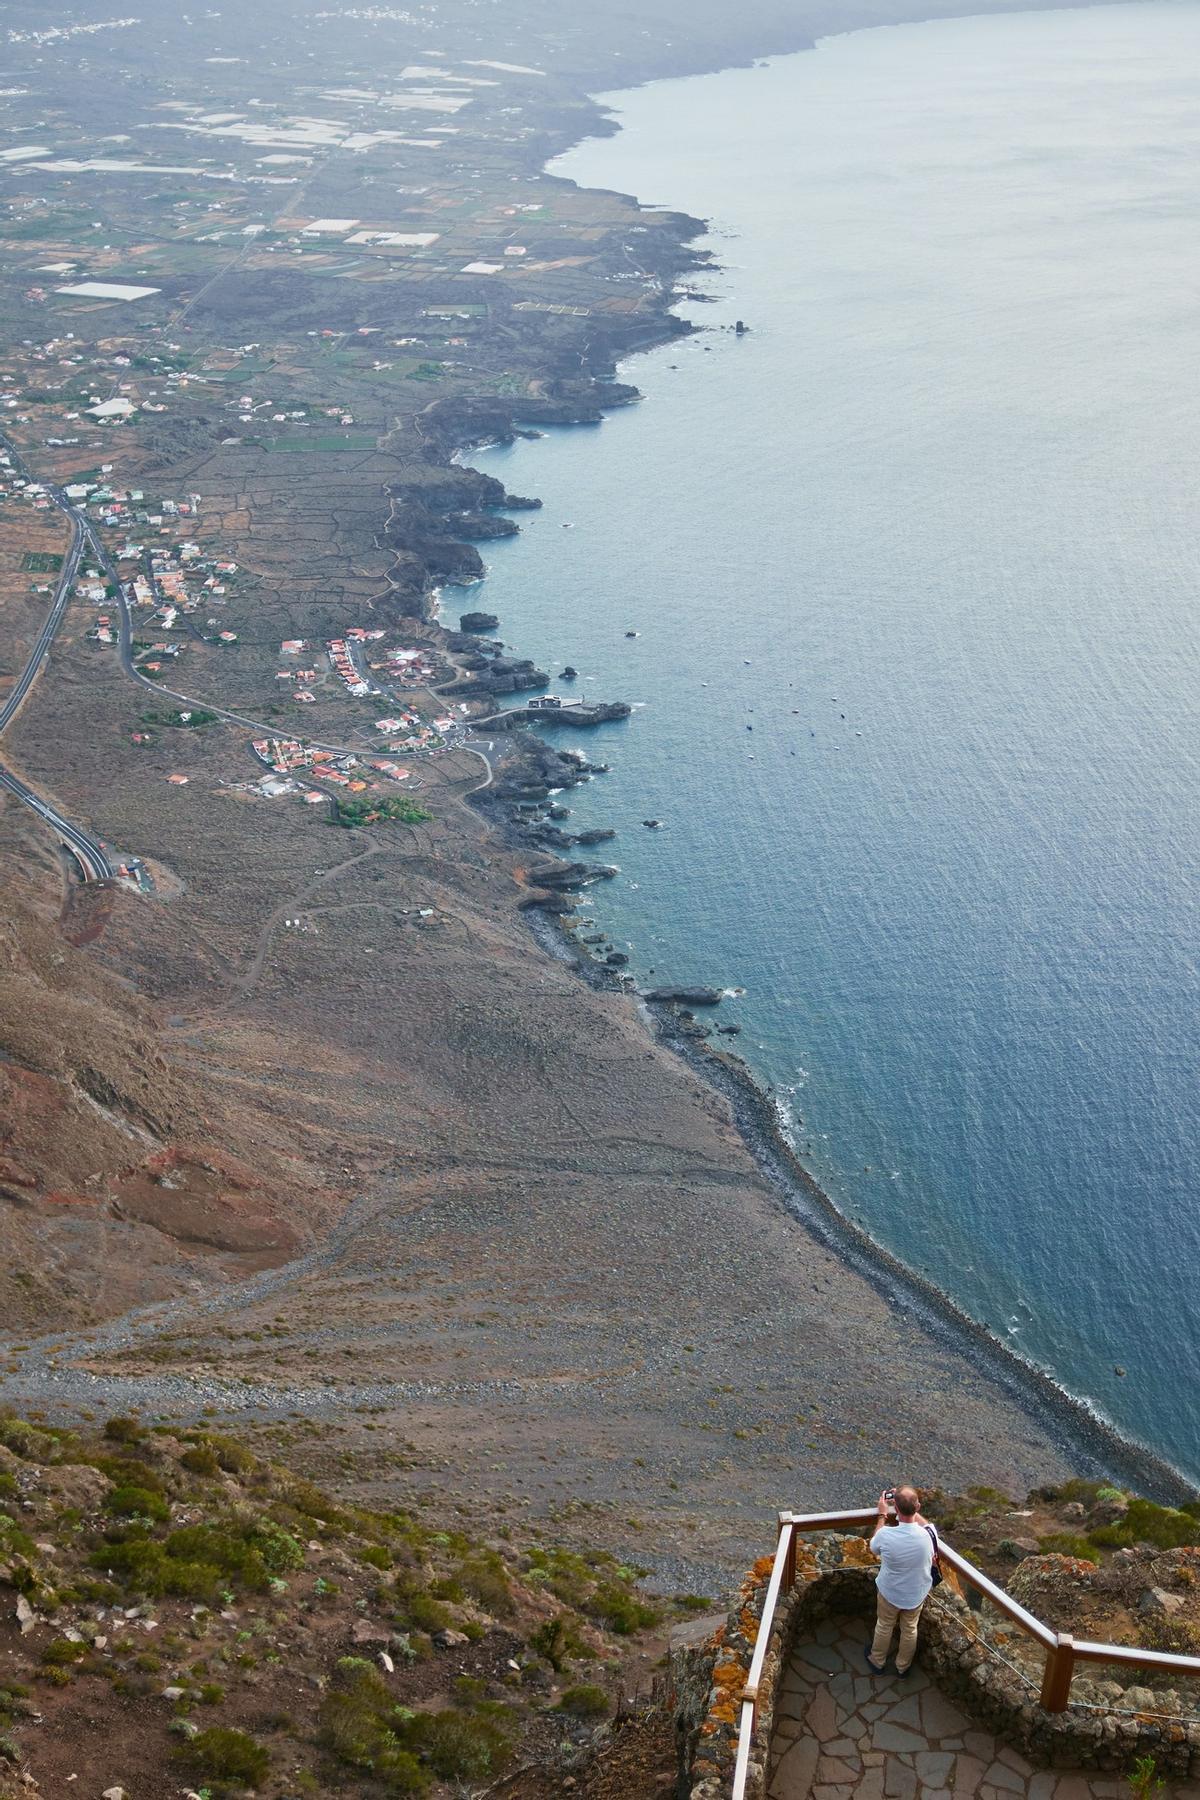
[{"x": 835, "y": 1575}]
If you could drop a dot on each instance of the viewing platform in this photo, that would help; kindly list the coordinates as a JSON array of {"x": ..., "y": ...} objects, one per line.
[{"x": 994, "y": 1708}]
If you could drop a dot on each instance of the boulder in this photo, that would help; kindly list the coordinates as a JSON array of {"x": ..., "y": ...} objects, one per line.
[
  {"x": 76, "y": 1483},
  {"x": 571, "y": 875},
  {"x": 366, "y": 1631},
  {"x": 478, "y": 621},
  {"x": 450, "y": 1640},
  {"x": 1017, "y": 1548},
  {"x": 1160, "y": 1603}
]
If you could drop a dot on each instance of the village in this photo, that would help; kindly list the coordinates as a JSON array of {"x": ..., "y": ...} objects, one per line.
[
  {"x": 285, "y": 758},
  {"x": 173, "y": 588}
]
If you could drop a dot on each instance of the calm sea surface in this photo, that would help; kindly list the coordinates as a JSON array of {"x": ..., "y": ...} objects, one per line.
[{"x": 916, "y": 570}]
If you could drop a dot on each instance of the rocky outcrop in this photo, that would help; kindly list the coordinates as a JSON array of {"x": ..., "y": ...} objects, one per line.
[
  {"x": 685, "y": 996},
  {"x": 414, "y": 529},
  {"x": 478, "y": 621},
  {"x": 501, "y": 675},
  {"x": 554, "y": 838},
  {"x": 461, "y": 419},
  {"x": 564, "y": 876},
  {"x": 481, "y": 528},
  {"x": 452, "y": 490},
  {"x": 601, "y": 712}
]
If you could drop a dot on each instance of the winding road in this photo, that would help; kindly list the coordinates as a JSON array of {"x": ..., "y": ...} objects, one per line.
[{"x": 90, "y": 856}]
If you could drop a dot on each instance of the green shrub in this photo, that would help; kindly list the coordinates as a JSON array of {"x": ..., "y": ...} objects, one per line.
[
  {"x": 565, "y": 1574},
  {"x": 126, "y": 1471},
  {"x": 558, "y": 1641},
  {"x": 196, "y": 1562},
  {"x": 230, "y": 1455},
  {"x": 1144, "y": 1780},
  {"x": 376, "y": 1556},
  {"x": 1166, "y": 1527},
  {"x": 483, "y": 1576},
  {"x": 397, "y": 807},
  {"x": 416, "y": 1608},
  {"x": 1067, "y": 1543},
  {"x": 27, "y": 1441},
  {"x": 223, "y": 1754},
  {"x": 279, "y": 1550},
  {"x": 587, "y": 1701},
  {"x": 360, "y": 1725},
  {"x": 137, "y": 1502},
  {"x": 622, "y": 1611},
  {"x": 1077, "y": 1489},
  {"x": 13, "y": 1540},
  {"x": 124, "y": 1431},
  {"x": 357, "y": 1724},
  {"x": 61, "y": 1652},
  {"x": 460, "y": 1747},
  {"x": 1177, "y": 1635},
  {"x": 201, "y": 1459}
]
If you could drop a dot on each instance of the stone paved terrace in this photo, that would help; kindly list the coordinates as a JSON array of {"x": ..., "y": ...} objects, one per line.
[{"x": 842, "y": 1733}]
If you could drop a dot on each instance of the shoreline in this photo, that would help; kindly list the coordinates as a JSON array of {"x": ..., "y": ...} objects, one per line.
[{"x": 1091, "y": 1439}]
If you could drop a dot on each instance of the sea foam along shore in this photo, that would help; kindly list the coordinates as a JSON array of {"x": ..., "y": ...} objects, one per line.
[
  {"x": 1094, "y": 1446},
  {"x": 1092, "y": 1441}
]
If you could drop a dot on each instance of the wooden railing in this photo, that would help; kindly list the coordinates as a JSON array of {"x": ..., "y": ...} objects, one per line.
[{"x": 1062, "y": 1651}]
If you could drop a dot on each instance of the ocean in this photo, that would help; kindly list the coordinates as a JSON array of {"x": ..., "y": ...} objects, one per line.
[{"x": 914, "y": 570}]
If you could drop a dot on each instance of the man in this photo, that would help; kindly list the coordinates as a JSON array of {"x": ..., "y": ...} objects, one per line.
[{"x": 905, "y": 1551}]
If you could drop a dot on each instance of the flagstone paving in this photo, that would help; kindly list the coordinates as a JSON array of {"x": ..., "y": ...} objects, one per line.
[{"x": 842, "y": 1733}]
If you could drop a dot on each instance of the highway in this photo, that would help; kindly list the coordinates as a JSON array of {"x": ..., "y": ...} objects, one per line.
[{"x": 87, "y": 852}]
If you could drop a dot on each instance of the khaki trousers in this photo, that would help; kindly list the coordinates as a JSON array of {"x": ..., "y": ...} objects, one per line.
[{"x": 885, "y": 1624}]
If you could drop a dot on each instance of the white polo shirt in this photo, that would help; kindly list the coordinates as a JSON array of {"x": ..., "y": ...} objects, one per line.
[{"x": 906, "y": 1556}]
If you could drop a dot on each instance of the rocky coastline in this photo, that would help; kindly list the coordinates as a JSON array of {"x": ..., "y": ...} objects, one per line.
[
  {"x": 1092, "y": 1444},
  {"x": 519, "y": 804}
]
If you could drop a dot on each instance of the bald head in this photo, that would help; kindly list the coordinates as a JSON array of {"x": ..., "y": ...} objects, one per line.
[{"x": 908, "y": 1502}]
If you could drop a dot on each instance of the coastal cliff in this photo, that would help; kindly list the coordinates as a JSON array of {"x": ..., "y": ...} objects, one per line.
[{"x": 423, "y": 1199}]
